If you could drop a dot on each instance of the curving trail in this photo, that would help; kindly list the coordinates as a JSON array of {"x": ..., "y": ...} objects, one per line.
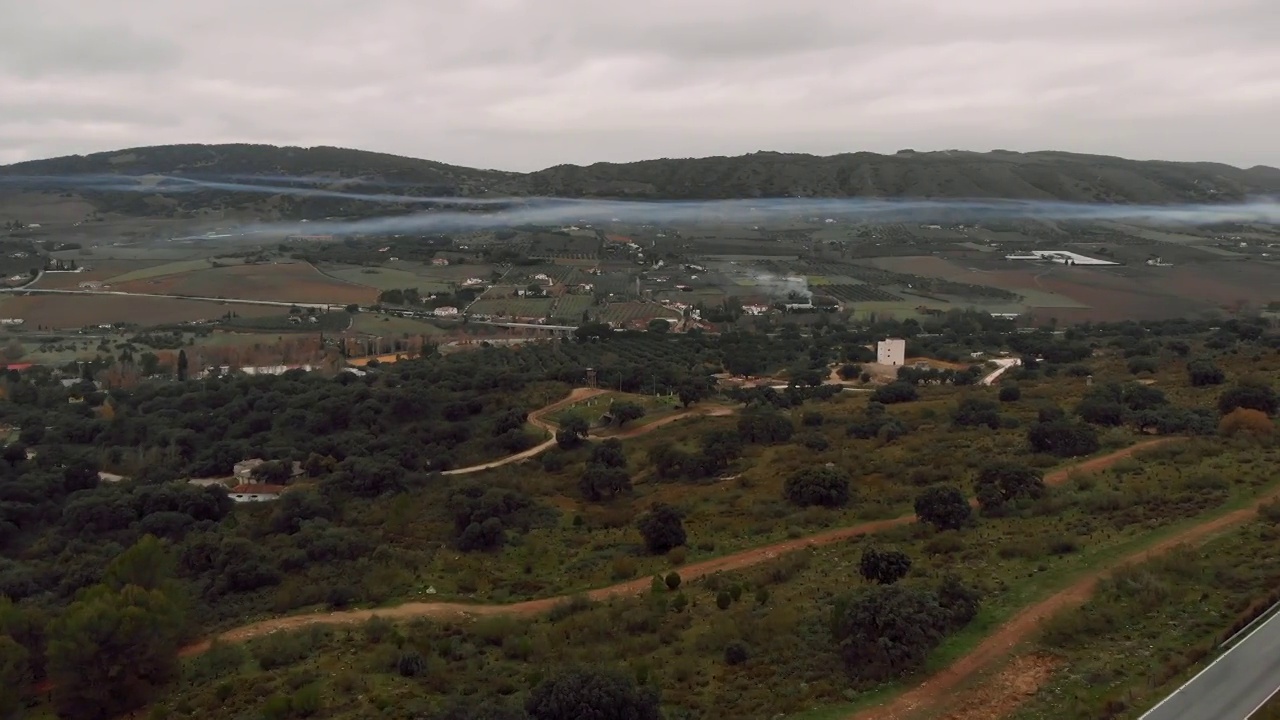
[
  {"x": 538, "y": 419},
  {"x": 693, "y": 571},
  {"x": 936, "y": 693}
]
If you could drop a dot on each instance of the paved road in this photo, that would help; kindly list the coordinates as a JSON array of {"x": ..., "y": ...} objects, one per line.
[
  {"x": 1004, "y": 365},
  {"x": 1234, "y": 686},
  {"x": 225, "y": 301}
]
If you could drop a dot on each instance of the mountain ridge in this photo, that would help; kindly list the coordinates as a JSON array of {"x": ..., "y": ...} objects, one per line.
[{"x": 940, "y": 174}]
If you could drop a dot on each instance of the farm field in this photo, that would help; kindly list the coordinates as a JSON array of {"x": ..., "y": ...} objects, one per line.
[
  {"x": 176, "y": 267},
  {"x": 394, "y": 325},
  {"x": 385, "y": 278},
  {"x": 75, "y": 311},
  {"x": 621, "y": 313},
  {"x": 513, "y": 307},
  {"x": 101, "y": 270},
  {"x": 283, "y": 282}
]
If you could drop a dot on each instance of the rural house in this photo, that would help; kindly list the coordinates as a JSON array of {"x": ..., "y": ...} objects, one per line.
[
  {"x": 253, "y": 492},
  {"x": 891, "y": 351}
]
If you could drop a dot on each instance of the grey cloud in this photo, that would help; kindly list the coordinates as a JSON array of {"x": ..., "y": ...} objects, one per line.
[{"x": 521, "y": 84}]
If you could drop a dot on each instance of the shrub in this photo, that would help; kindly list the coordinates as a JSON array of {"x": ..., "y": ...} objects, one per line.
[
  {"x": 677, "y": 555},
  {"x": 1245, "y": 421},
  {"x": 672, "y": 580},
  {"x": 812, "y": 418},
  {"x": 1010, "y": 393},
  {"x": 411, "y": 664},
  {"x": 762, "y": 596},
  {"x": 895, "y": 392},
  {"x": 976, "y": 412},
  {"x": 1063, "y": 439},
  {"x": 1001, "y": 483},
  {"x": 814, "y": 441},
  {"x": 735, "y": 653},
  {"x": 724, "y": 600},
  {"x": 1202, "y": 373},
  {"x": 944, "y": 507},
  {"x": 884, "y": 567},
  {"x": 887, "y": 631},
  {"x": 662, "y": 528},
  {"x": 1251, "y": 395},
  {"x": 592, "y": 693},
  {"x": 825, "y": 486}
]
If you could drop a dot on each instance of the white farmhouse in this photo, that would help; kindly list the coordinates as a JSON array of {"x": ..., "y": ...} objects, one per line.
[{"x": 891, "y": 351}]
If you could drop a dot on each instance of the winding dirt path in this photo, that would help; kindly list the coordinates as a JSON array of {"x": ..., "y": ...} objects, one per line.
[
  {"x": 693, "y": 571},
  {"x": 538, "y": 418},
  {"x": 936, "y": 694}
]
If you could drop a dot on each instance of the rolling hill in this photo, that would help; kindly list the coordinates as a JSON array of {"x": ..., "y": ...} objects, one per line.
[{"x": 946, "y": 174}]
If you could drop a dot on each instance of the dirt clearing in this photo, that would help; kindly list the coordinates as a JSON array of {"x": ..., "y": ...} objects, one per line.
[{"x": 284, "y": 282}]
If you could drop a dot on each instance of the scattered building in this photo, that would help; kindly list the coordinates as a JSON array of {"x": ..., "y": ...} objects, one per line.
[
  {"x": 256, "y": 492},
  {"x": 439, "y": 261},
  {"x": 446, "y": 311},
  {"x": 892, "y": 352},
  {"x": 1063, "y": 257},
  {"x": 91, "y": 285}
]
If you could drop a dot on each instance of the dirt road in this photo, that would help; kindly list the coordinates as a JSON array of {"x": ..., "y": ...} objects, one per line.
[
  {"x": 693, "y": 571},
  {"x": 936, "y": 692},
  {"x": 537, "y": 418}
]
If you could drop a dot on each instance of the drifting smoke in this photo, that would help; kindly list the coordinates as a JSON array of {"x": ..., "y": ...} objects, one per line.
[
  {"x": 782, "y": 286},
  {"x": 441, "y": 214}
]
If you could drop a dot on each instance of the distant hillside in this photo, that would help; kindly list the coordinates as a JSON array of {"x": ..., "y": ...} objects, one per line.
[
  {"x": 955, "y": 174},
  {"x": 948, "y": 174}
]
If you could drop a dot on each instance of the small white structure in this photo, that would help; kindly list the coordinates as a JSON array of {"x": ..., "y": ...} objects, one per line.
[
  {"x": 1062, "y": 257},
  {"x": 892, "y": 352}
]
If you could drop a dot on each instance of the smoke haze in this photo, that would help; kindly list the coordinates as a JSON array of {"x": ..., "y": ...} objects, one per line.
[{"x": 442, "y": 214}]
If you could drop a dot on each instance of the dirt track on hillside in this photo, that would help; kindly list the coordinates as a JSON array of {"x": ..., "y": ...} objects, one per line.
[
  {"x": 693, "y": 571},
  {"x": 936, "y": 693}
]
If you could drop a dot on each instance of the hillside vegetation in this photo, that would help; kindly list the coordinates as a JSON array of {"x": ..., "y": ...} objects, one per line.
[{"x": 947, "y": 174}]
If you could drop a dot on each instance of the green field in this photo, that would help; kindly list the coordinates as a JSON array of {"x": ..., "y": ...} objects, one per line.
[
  {"x": 386, "y": 278},
  {"x": 392, "y": 325},
  {"x": 513, "y": 307},
  {"x": 170, "y": 268}
]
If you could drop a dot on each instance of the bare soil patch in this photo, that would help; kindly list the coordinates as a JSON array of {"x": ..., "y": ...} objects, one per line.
[
  {"x": 283, "y": 282},
  {"x": 75, "y": 311}
]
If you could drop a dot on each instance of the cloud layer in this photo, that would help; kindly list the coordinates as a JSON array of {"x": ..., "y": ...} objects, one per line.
[{"x": 523, "y": 84}]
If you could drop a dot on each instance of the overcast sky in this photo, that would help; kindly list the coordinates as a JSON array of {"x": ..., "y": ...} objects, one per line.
[{"x": 524, "y": 84}]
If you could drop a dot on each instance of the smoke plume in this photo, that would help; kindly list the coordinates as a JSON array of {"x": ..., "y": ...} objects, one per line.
[{"x": 460, "y": 214}]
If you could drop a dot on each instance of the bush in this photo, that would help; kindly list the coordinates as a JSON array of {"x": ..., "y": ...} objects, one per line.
[
  {"x": 1001, "y": 483},
  {"x": 1202, "y": 373},
  {"x": 735, "y": 653},
  {"x": 1249, "y": 395},
  {"x": 895, "y": 392},
  {"x": 592, "y": 693},
  {"x": 672, "y": 580},
  {"x": 411, "y": 664},
  {"x": 812, "y": 418},
  {"x": 824, "y": 486},
  {"x": 884, "y": 567},
  {"x": 1245, "y": 421},
  {"x": 976, "y": 412},
  {"x": 1063, "y": 438},
  {"x": 724, "y": 600},
  {"x": 943, "y": 506},
  {"x": 887, "y": 631},
  {"x": 1010, "y": 393},
  {"x": 662, "y": 528}
]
